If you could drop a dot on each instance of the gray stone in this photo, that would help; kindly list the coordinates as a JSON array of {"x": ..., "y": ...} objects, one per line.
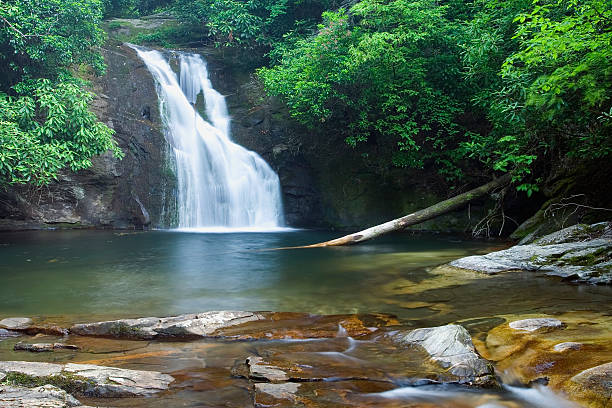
[
  {"x": 47, "y": 396},
  {"x": 280, "y": 391},
  {"x": 451, "y": 346},
  {"x": 92, "y": 380},
  {"x": 14, "y": 323},
  {"x": 531, "y": 325},
  {"x": 567, "y": 346},
  {"x": 259, "y": 370},
  {"x": 183, "y": 326},
  {"x": 585, "y": 260},
  {"x": 8, "y": 333}
]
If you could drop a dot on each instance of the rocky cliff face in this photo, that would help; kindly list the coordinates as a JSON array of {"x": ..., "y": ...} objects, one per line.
[{"x": 129, "y": 193}]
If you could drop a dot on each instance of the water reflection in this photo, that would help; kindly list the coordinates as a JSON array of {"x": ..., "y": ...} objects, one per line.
[{"x": 122, "y": 274}]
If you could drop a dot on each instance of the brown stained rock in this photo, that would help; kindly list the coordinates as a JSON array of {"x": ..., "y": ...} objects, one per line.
[
  {"x": 307, "y": 326},
  {"x": 593, "y": 385},
  {"x": 525, "y": 357},
  {"x": 43, "y": 347}
]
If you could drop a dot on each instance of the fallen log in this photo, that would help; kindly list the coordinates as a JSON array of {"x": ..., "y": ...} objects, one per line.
[{"x": 418, "y": 217}]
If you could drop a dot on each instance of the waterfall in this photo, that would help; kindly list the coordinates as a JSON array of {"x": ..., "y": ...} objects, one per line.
[{"x": 221, "y": 185}]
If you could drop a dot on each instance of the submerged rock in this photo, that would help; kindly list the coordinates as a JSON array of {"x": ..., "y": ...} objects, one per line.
[
  {"x": 182, "y": 326},
  {"x": 566, "y": 346},
  {"x": 578, "y": 253},
  {"x": 47, "y": 396},
  {"x": 4, "y": 334},
  {"x": 594, "y": 384},
  {"x": 86, "y": 379},
  {"x": 42, "y": 347},
  {"x": 451, "y": 346},
  {"x": 530, "y": 325}
]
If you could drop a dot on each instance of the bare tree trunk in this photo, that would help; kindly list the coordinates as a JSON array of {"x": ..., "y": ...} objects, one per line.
[{"x": 418, "y": 217}]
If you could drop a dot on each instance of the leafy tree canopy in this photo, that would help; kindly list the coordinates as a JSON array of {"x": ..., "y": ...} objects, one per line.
[{"x": 45, "y": 124}]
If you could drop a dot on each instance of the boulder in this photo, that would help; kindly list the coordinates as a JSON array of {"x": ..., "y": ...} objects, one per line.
[
  {"x": 450, "y": 346},
  {"x": 15, "y": 323},
  {"x": 47, "y": 396},
  {"x": 531, "y": 325},
  {"x": 577, "y": 253},
  {"x": 86, "y": 379},
  {"x": 594, "y": 384},
  {"x": 183, "y": 326}
]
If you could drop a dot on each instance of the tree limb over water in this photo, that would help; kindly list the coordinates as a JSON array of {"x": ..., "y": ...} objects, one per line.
[{"x": 418, "y": 217}]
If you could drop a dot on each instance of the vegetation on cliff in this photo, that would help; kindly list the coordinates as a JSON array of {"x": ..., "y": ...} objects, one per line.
[{"x": 45, "y": 123}]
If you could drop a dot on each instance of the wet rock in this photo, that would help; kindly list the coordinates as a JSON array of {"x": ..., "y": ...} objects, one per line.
[
  {"x": 451, "y": 346},
  {"x": 531, "y": 325},
  {"x": 15, "y": 323},
  {"x": 42, "y": 347},
  {"x": 47, "y": 396},
  {"x": 260, "y": 370},
  {"x": 594, "y": 384},
  {"x": 183, "y": 326},
  {"x": 8, "y": 333},
  {"x": 566, "y": 346},
  {"x": 267, "y": 394},
  {"x": 86, "y": 379},
  {"x": 578, "y": 253}
]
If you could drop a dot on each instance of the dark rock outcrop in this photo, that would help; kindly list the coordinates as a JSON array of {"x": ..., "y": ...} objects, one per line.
[{"x": 134, "y": 192}]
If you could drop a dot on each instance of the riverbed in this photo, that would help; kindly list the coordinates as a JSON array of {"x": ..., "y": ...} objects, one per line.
[{"x": 82, "y": 276}]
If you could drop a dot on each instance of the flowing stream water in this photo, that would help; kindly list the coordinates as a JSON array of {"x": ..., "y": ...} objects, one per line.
[{"x": 221, "y": 185}]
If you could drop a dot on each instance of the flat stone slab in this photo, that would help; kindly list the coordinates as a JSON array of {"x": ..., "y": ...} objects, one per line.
[
  {"x": 47, "y": 396},
  {"x": 88, "y": 379},
  {"x": 182, "y": 326},
  {"x": 451, "y": 346},
  {"x": 237, "y": 325},
  {"x": 531, "y": 325},
  {"x": 15, "y": 323},
  {"x": 587, "y": 260}
]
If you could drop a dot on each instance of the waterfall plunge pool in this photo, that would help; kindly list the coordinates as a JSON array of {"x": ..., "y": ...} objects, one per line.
[{"x": 84, "y": 275}]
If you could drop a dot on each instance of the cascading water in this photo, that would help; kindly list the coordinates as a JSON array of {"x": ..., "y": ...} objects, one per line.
[{"x": 221, "y": 185}]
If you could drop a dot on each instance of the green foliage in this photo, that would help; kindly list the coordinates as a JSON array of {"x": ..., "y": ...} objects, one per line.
[
  {"x": 45, "y": 124},
  {"x": 543, "y": 78},
  {"x": 46, "y": 128},
  {"x": 372, "y": 81},
  {"x": 250, "y": 23},
  {"x": 504, "y": 83},
  {"x": 43, "y": 38}
]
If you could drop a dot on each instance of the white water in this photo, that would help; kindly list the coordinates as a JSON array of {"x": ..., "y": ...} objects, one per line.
[{"x": 222, "y": 186}]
